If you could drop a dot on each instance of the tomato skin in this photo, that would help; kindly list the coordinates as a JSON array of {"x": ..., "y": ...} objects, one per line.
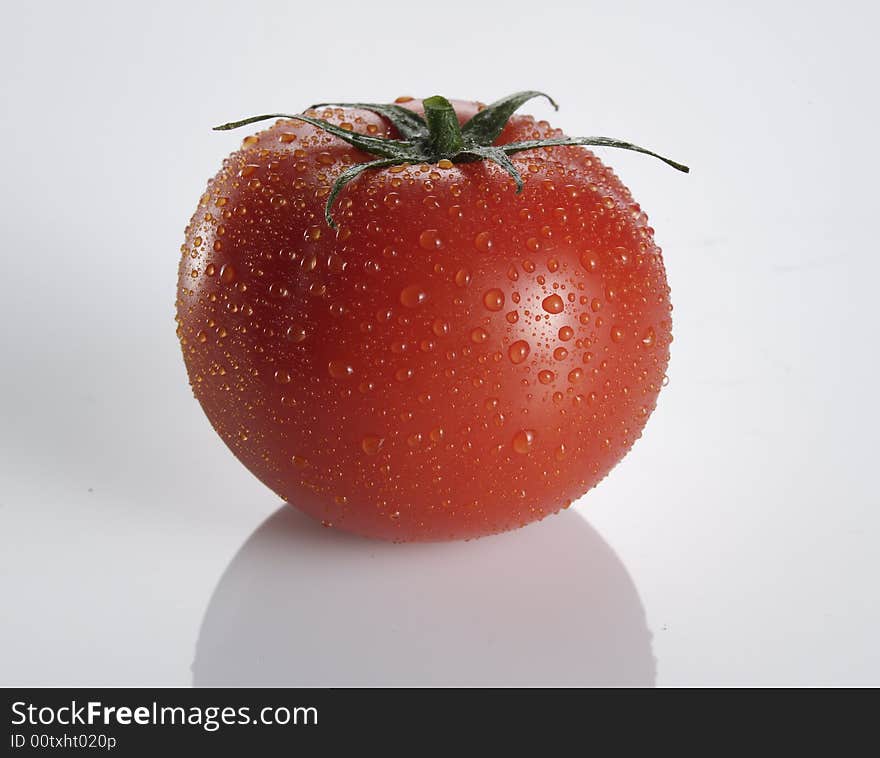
[{"x": 455, "y": 360}]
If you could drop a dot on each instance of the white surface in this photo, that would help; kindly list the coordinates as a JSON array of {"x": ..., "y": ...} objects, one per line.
[{"x": 747, "y": 517}]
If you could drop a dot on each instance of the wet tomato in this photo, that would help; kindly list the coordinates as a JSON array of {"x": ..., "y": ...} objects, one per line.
[{"x": 454, "y": 358}]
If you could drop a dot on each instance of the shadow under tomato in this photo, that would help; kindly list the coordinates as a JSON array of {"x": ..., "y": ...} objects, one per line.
[{"x": 301, "y": 605}]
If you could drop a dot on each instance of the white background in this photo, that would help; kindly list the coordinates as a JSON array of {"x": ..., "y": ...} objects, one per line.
[{"x": 746, "y": 518}]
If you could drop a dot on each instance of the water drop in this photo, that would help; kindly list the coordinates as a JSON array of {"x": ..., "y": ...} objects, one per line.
[
  {"x": 372, "y": 444},
  {"x": 227, "y": 273},
  {"x": 483, "y": 242},
  {"x": 339, "y": 369},
  {"x": 523, "y": 441},
  {"x": 430, "y": 240},
  {"x": 589, "y": 261},
  {"x": 479, "y": 335},
  {"x": 518, "y": 351},
  {"x": 553, "y": 304},
  {"x": 413, "y": 295},
  {"x": 493, "y": 299}
]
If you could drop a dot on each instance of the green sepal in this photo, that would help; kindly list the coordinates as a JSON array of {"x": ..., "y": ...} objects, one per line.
[
  {"x": 409, "y": 124},
  {"x": 515, "y": 147},
  {"x": 351, "y": 173},
  {"x": 388, "y": 148},
  {"x": 499, "y": 157},
  {"x": 485, "y": 126}
]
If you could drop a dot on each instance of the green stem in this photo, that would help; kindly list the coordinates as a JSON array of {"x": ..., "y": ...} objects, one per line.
[{"x": 445, "y": 139}]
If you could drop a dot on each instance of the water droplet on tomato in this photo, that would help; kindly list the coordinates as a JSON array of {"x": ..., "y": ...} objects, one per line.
[
  {"x": 296, "y": 332},
  {"x": 589, "y": 261},
  {"x": 413, "y": 295},
  {"x": 227, "y": 273},
  {"x": 566, "y": 333},
  {"x": 523, "y": 441},
  {"x": 483, "y": 242},
  {"x": 339, "y": 369},
  {"x": 371, "y": 444},
  {"x": 518, "y": 351},
  {"x": 462, "y": 277},
  {"x": 430, "y": 240},
  {"x": 553, "y": 304},
  {"x": 493, "y": 299},
  {"x": 546, "y": 377},
  {"x": 479, "y": 335}
]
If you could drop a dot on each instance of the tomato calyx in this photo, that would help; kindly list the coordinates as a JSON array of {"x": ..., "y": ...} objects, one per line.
[{"x": 438, "y": 136}]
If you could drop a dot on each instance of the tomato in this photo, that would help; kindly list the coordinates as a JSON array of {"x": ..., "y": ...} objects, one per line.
[{"x": 454, "y": 358}]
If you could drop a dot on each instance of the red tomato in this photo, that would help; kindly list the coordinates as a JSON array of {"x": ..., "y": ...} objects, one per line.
[{"x": 454, "y": 360}]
